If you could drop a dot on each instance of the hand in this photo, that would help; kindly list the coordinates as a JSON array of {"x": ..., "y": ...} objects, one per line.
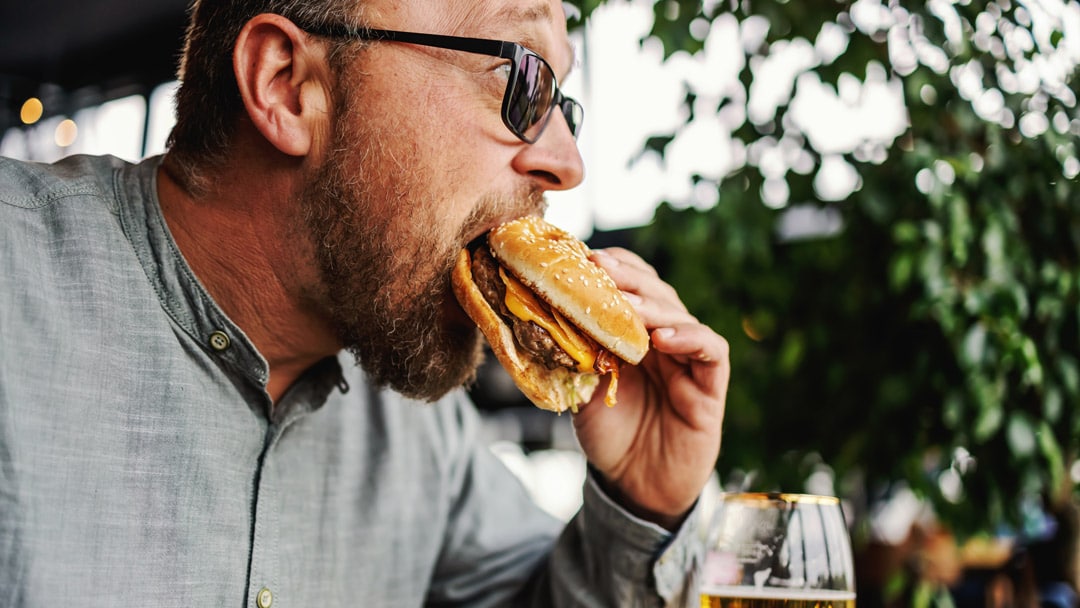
[{"x": 658, "y": 445}]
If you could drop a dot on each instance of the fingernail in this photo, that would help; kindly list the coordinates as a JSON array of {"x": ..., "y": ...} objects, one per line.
[
  {"x": 665, "y": 332},
  {"x": 633, "y": 298}
]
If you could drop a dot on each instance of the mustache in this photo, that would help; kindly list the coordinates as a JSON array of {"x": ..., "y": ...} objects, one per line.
[{"x": 529, "y": 200}]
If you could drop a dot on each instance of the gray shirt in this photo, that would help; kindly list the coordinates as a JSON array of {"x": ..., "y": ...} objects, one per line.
[{"x": 141, "y": 462}]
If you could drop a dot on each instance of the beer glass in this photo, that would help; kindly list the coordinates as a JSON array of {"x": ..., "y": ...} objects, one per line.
[{"x": 771, "y": 550}]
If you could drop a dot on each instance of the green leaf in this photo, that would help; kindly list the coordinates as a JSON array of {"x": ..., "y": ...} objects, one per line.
[
  {"x": 1052, "y": 405},
  {"x": 1020, "y": 435},
  {"x": 974, "y": 345},
  {"x": 952, "y": 411},
  {"x": 1033, "y": 372},
  {"x": 1051, "y": 451},
  {"x": 990, "y": 417},
  {"x": 659, "y": 143}
]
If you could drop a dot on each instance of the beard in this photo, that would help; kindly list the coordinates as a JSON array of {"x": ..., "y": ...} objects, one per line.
[{"x": 384, "y": 263}]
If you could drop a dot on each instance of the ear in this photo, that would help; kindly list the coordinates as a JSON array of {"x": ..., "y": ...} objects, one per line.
[{"x": 283, "y": 80}]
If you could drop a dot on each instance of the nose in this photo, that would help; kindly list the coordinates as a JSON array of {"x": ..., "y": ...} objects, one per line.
[{"x": 553, "y": 161}]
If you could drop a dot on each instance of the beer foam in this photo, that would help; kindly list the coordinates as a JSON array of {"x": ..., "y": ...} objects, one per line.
[{"x": 776, "y": 593}]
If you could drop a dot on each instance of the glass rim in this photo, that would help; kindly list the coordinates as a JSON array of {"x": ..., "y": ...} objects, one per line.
[{"x": 785, "y": 497}]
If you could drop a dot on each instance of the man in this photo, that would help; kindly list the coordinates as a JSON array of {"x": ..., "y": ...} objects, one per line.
[{"x": 177, "y": 427}]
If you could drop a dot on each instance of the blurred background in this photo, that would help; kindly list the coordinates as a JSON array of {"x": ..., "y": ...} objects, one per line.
[{"x": 874, "y": 201}]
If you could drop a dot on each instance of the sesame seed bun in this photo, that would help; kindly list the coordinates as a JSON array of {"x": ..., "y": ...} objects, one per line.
[{"x": 555, "y": 265}]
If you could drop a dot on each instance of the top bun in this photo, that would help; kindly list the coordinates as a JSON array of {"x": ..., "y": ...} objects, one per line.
[{"x": 555, "y": 265}]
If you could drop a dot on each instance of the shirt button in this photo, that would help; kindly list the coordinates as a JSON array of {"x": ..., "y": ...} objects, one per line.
[
  {"x": 265, "y": 598},
  {"x": 219, "y": 341}
]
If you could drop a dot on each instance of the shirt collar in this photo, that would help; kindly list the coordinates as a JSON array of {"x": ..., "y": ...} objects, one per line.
[{"x": 181, "y": 294}]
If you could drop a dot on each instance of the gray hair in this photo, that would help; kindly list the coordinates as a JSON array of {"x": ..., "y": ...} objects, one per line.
[{"x": 208, "y": 101}]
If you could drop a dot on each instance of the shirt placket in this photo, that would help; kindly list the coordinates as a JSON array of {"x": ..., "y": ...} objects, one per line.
[{"x": 264, "y": 576}]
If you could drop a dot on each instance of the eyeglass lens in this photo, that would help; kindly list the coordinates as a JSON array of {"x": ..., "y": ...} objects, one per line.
[
  {"x": 531, "y": 97},
  {"x": 573, "y": 112}
]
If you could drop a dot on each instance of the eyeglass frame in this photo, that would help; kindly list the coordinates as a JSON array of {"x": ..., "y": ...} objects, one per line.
[{"x": 571, "y": 109}]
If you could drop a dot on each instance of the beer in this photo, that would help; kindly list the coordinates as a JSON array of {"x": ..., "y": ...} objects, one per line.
[{"x": 772, "y": 597}]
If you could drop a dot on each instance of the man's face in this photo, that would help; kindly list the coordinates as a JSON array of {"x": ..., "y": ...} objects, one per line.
[{"x": 419, "y": 165}]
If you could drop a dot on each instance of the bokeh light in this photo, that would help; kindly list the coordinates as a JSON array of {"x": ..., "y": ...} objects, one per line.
[
  {"x": 32, "y": 111},
  {"x": 66, "y": 133}
]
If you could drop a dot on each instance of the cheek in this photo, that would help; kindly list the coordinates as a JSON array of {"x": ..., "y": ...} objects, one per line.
[
  {"x": 440, "y": 157},
  {"x": 458, "y": 172},
  {"x": 463, "y": 140}
]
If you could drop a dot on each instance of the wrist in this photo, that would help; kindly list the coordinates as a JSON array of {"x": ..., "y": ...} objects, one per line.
[{"x": 668, "y": 521}]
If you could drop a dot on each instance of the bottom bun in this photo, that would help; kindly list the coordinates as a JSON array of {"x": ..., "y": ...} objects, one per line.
[{"x": 557, "y": 390}]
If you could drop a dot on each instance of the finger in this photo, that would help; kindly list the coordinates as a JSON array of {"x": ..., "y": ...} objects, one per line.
[
  {"x": 695, "y": 368},
  {"x": 659, "y": 312},
  {"x": 619, "y": 255},
  {"x": 633, "y": 275},
  {"x": 693, "y": 344}
]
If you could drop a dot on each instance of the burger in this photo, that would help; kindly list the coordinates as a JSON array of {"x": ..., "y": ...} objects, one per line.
[{"x": 553, "y": 318}]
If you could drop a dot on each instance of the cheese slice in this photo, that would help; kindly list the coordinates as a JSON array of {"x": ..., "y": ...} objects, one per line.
[{"x": 524, "y": 305}]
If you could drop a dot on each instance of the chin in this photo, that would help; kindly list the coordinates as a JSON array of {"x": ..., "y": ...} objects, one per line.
[{"x": 437, "y": 361}]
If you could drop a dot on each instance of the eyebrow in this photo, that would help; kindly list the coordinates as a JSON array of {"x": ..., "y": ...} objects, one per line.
[
  {"x": 537, "y": 11},
  {"x": 533, "y": 12}
]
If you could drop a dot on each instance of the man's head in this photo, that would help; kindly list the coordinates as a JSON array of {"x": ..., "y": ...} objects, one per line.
[{"x": 402, "y": 154}]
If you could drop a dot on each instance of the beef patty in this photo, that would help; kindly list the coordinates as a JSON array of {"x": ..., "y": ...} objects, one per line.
[{"x": 530, "y": 337}]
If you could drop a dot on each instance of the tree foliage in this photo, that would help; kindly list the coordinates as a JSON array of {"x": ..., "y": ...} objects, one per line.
[{"x": 935, "y": 338}]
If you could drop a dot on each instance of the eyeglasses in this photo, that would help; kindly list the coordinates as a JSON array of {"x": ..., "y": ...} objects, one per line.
[{"x": 531, "y": 89}]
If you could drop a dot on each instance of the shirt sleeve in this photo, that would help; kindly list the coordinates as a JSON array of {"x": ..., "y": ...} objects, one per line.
[
  {"x": 608, "y": 557},
  {"x": 501, "y": 549}
]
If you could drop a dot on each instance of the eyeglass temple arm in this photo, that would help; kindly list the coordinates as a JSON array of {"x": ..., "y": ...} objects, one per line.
[{"x": 480, "y": 46}]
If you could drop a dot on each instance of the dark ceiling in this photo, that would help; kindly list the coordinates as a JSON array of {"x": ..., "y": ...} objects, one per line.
[{"x": 75, "y": 52}]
